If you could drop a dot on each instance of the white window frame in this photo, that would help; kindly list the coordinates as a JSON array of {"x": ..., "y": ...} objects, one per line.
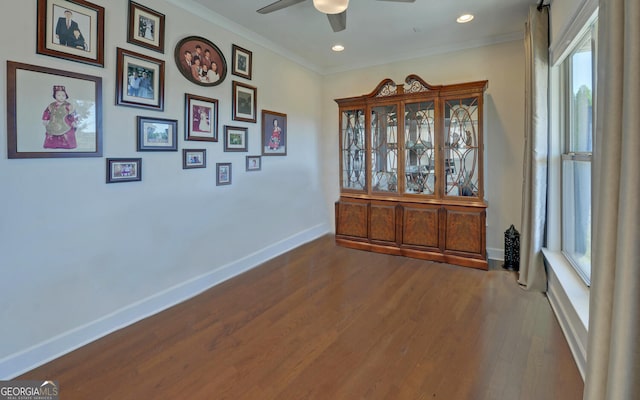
[{"x": 567, "y": 292}]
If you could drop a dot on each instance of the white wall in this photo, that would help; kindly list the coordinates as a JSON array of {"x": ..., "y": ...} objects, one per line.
[
  {"x": 503, "y": 66},
  {"x": 79, "y": 257}
]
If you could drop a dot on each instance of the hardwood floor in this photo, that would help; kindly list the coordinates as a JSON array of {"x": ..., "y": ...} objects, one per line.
[{"x": 326, "y": 322}]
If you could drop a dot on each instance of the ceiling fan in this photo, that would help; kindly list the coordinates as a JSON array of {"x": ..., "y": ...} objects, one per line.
[{"x": 336, "y": 10}]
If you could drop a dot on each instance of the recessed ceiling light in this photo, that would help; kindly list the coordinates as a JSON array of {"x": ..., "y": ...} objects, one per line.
[
  {"x": 464, "y": 18},
  {"x": 337, "y": 47}
]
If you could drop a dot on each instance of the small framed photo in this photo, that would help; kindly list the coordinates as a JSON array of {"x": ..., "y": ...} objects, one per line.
[
  {"x": 194, "y": 158},
  {"x": 52, "y": 113},
  {"x": 274, "y": 133},
  {"x": 223, "y": 174},
  {"x": 146, "y": 27},
  {"x": 254, "y": 163},
  {"x": 235, "y": 138},
  {"x": 157, "y": 134},
  {"x": 71, "y": 29},
  {"x": 200, "y": 61},
  {"x": 139, "y": 81},
  {"x": 124, "y": 170},
  {"x": 242, "y": 62},
  {"x": 244, "y": 102},
  {"x": 200, "y": 118}
]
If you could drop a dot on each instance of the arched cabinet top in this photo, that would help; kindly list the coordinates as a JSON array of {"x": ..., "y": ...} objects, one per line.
[{"x": 413, "y": 84}]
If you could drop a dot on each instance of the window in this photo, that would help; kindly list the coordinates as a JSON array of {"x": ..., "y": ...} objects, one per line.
[{"x": 579, "y": 97}]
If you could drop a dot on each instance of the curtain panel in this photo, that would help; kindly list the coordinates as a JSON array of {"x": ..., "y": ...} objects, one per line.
[
  {"x": 613, "y": 351},
  {"x": 534, "y": 187}
]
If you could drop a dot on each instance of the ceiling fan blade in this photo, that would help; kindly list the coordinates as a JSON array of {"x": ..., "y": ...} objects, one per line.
[
  {"x": 338, "y": 21},
  {"x": 278, "y": 5}
]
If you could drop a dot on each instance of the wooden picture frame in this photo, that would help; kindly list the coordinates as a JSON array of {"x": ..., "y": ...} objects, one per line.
[
  {"x": 80, "y": 37},
  {"x": 244, "y": 106},
  {"x": 236, "y": 138},
  {"x": 194, "y": 158},
  {"x": 124, "y": 170},
  {"x": 34, "y": 95},
  {"x": 145, "y": 72},
  {"x": 223, "y": 174},
  {"x": 254, "y": 163},
  {"x": 274, "y": 133},
  {"x": 200, "y": 118},
  {"x": 195, "y": 47},
  {"x": 242, "y": 63},
  {"x": 157, "y": 134},
  {"x": 146, "y": 27}
]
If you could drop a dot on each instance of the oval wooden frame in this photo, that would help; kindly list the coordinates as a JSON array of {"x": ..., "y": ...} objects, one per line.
[{"x": 190, "y": 43}]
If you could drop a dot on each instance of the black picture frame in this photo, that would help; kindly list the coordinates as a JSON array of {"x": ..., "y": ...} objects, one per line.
[
  {"x": 253, "y": 163},
  {"x": 192, "y": 47},
  {"x": 200, "y": 118},
  {"x": 80, "y": 40},
  {"x": 194, "y": 158},
  {"x": 150, "y": 74},
  {"x": 274, "y": 133},
  {"x": 32, "y": 89},
  {"x": 223, "y": 174},
  {"x": 146, "y": 27},
  {"x": 157, "y": 134},
  {"x": 236, "y": 138},
  {"x": 242, "y": 62},
  {"x": 244, "y": 107},
  {"x": 124, "y": 170}
]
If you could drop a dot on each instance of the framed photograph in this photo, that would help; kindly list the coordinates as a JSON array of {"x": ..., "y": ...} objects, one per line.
[
  {"x": 146, "y": 27},
  {"x": 124, "y": 170},
  {"x": 194, "y": 158},
  {"x": 274, "y": 133},
  {"x": 244, "y": 102},
  {"x": 157, "y": 134},
  {"x": 200, "y": 118},
  {"x": 71, "y": 29},
  {"x": 139, "y": 81},
  {"x": 223, "y": 174},
  {"x": 235, "y": 138},
  {"x": 254, "y": 163},
  {"x": 52, "y": 113},
  {"x": 200, "y": 61},
  {"x": 242, "y": 62}
]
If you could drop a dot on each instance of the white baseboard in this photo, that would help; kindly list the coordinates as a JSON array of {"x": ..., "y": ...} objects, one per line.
[
  {"x": 569, "y": 299},
  {"x": 30, "y": 358},
  {"x": 495, "y": 254}
]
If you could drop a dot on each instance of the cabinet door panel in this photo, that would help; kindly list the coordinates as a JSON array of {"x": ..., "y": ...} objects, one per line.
[
  {"x": 420, "y": 226},
  {"x": 464, "y": 231},
  {"x": 352, "y": 219},
  {"x": 383, "y": 222}
]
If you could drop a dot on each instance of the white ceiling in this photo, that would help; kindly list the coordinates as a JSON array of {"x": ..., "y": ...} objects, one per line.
[{"x": 377, "y": 32}]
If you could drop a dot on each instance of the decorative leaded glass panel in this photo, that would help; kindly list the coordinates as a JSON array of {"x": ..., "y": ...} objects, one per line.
[
  {"x": 384, "y": 149},
  {"x": 461, "y": 147},
  {"x": 419, "y": 167},
  {"x": 353, "y": 150}
]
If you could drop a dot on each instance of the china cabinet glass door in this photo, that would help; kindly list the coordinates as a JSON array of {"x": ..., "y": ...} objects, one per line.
[
  {"x": 461, "y": 151},
  {"x": 419, "y": 155},
  {"x": 384, "y": 148},
  {"x": 353, "y": 150}
]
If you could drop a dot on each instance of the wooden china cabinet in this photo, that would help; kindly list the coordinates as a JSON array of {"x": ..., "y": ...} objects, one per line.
[{"x": 411, "y": 176}]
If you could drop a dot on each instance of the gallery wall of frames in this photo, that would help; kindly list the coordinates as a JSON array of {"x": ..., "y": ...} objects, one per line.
[{"x": 74, "y": 30}]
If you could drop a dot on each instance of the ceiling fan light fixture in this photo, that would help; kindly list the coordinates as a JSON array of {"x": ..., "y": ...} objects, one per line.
[
  {"x": 337, "y": 47},
  {"x": 464, "y": 18},
  {"x": 331, "y": 6}
]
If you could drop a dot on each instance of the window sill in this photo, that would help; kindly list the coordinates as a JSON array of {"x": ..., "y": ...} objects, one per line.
[{"x": 569, "y": 298}]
